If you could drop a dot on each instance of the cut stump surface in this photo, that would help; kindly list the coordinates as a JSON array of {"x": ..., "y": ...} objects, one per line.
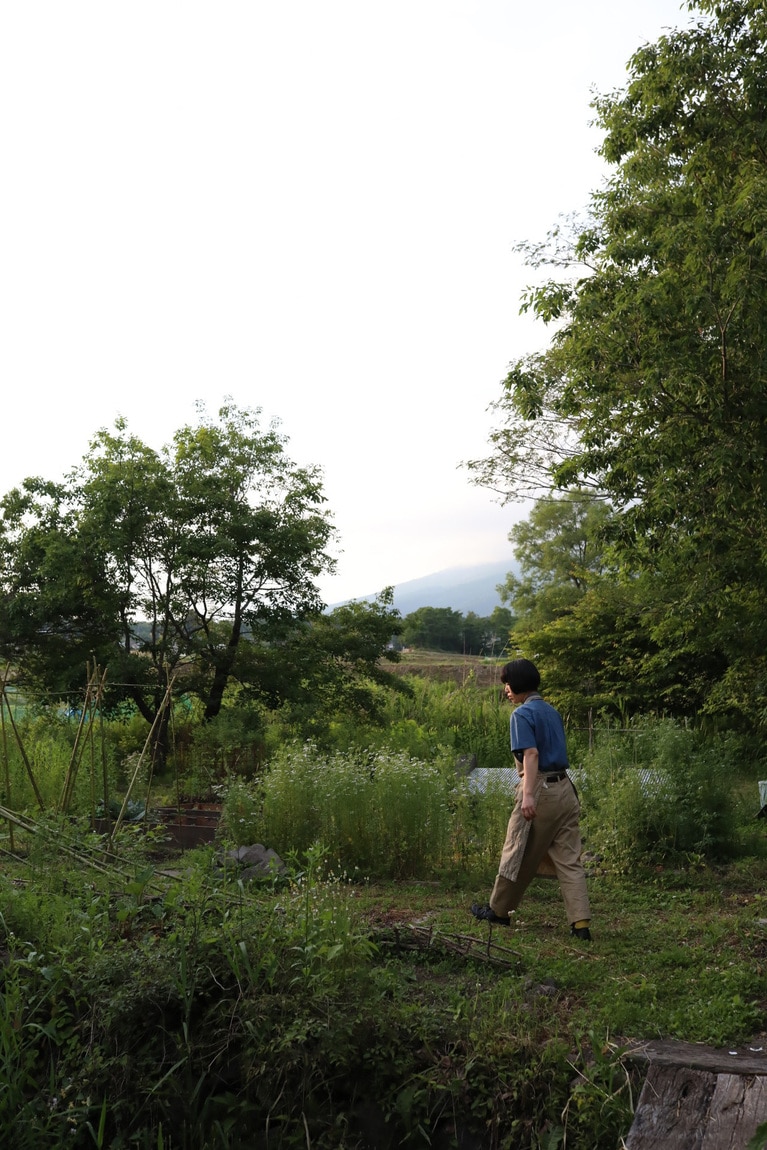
[{"x": 698, "y": 1098}]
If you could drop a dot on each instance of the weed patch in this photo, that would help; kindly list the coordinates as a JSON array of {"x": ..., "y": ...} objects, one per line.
[{"x": 266, "y": 1015}]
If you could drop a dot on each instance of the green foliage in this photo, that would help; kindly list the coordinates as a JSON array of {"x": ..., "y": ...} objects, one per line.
[
  {"x": 42, "y": 747},
  {"x": 186, "y": 572},
  {"x": 109, "y": 1072},
  {"x": 652, "y": 389},
  {"x": 376, "y": 813},
  {"x": 28, "y": 1048},
  {"x": 602, "y": 1096},
  {"x": 425, "y": 719},
  {"x": 444, "y": 629},
  {"x": 759, "y": 1140},
  {"x": 437, "y": 628},
  {"x": 231, "y": 745},
  {"x": 467, "y": 719},
  {"x": 241, "y": 813},
  {"x": 661, "y": 792},
  {"x": 174, "y": 559},
  {"x": 585, "y": 624},
  {"x": 226, "y": 1015},
  {"x": 331, "y": 667},
  {"x": 560, "y": 549},
  {"x": 479, "y": 826}
]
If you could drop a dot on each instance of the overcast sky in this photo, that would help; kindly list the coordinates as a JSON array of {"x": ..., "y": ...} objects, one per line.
[{"x": 306, "y": 205}]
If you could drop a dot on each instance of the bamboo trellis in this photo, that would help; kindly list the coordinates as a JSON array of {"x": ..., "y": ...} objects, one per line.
[{"x": 91, "y": 710}]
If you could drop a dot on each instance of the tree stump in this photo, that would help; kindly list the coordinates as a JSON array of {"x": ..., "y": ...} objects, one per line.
[{"x": 688, "y": 1109}]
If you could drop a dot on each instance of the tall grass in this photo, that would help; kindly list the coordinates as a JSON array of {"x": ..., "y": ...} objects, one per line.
[
  {"x": 27, "y": 1052},
  {"x": 380, "y": 813},
  {"x": 386, "y": 798},
  {"x": 467, "y": 719},
  {"x": 377, "y": 814},
  {"x": 36, "y": 758},
  {"x": 428, "y": 721},
  {"x": 660, "y": 790}
]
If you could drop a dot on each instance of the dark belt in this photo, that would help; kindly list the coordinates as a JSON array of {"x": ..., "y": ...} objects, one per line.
[{"x": 553, "y": 776}]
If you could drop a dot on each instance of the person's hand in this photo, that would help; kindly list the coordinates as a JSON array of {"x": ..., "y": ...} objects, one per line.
[{"x": 528, "y": 808}]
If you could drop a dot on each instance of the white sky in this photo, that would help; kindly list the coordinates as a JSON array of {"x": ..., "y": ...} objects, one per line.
[{"x": 307, "y": 205}]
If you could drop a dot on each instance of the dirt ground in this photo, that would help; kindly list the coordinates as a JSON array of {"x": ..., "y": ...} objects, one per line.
[{"x": 445, "y": 667}]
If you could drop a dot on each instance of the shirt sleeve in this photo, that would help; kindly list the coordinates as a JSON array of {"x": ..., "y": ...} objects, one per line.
[{"x": 522, "y": 732}]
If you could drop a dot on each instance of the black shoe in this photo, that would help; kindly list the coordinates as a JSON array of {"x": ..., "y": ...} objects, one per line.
[
  {"x": 581, "y": 932},
  {"x": 487, "y": 914}
]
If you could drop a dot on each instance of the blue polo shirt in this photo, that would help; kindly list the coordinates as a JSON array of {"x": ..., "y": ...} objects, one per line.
[{"x": 537, "y": 724}]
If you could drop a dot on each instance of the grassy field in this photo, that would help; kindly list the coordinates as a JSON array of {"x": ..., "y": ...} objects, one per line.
[
  {"x": 444, "y": 666},
  {"x": 183, "y": 1011},
  {"x": 679, "y": 954},
  {"x": 351, "y": 1001}
]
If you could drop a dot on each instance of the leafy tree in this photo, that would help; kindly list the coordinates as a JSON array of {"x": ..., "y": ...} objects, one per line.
[
  {"x": 652, "y": 391},
  {"x": 475, "y": 633},
  {"x": 331, "y": 666},
  {"x": 595, "y": 629},
  {"x": 500, "y": 624},
  {"x": 434, "y": 628},
  {"x": 58, "y": 606},
  {"x": 560, "y": 549},
  {"x": 195, "y": 565},
  {"x": 444, "y": 629},
  {"x": 566, "y": 611}
]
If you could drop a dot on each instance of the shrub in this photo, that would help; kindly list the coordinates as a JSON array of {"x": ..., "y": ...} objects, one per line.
[
  {"x": 660, "y": 791},
  {"x": 479, "y": 825},
  {"x": 467, "y": 719},
  {"x": 427, "y": 722},
  {"x": 39, "y": 754},
  {"x": 380, "y": 812}
]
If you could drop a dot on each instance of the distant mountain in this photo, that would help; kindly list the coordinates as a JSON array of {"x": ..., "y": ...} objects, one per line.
[{"x": 463, "y": 589}]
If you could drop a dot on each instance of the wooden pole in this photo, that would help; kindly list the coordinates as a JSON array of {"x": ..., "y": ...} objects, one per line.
[
  {"x": 6, "y": 763},
  {"x": 93, "y": 694},
  {"x": 23, "y": 753},
  {"x": 157, "y": 718}
]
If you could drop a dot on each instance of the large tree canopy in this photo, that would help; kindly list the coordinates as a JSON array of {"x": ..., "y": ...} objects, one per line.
[
  {"x": 653, "y": 390},
  {"x": 591, "y": 624},
  {"x": 443, "y": 629},
  {"x": 196, "y": 564}
]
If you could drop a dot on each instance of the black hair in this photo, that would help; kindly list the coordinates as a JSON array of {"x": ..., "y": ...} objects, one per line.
[{"x": 521, "y": 675}]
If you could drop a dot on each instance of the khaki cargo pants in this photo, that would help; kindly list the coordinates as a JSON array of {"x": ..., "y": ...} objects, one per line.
[{"x": 550, "y": 844}]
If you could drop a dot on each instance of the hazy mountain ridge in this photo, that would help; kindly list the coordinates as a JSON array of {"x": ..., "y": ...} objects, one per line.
[{"x": 464, "y": 589}]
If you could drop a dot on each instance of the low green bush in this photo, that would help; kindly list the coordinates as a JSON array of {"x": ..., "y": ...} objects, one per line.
[
  {"x": 661, "y": 791},
  {"x": 430, "y": 720},
  {"x": 376, "y": 813}
]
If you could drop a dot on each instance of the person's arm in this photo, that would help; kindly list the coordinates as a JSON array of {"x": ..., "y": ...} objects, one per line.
[{"x": 529, "y": 779}]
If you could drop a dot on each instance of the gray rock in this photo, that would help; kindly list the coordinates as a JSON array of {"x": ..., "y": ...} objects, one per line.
[{"x": 255, "y": 861}]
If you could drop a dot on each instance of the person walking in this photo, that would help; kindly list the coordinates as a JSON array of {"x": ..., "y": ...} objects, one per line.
[{"x": 543, "y": 834}]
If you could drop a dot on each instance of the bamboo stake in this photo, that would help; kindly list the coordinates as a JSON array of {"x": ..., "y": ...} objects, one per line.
[
  {"x": 4, "y": 698},
  {"x": 158, "y": 716},
  {"x": 5, "y": 753},
  {"x": 104, "y": 771},
  {"x": 92, "y": 745},
  {"x": 63, "y": 801},
  {"x": 32, "y": 828},
  {"x": 93, "y": 694},
  {"x": 111, "y": 864}
]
